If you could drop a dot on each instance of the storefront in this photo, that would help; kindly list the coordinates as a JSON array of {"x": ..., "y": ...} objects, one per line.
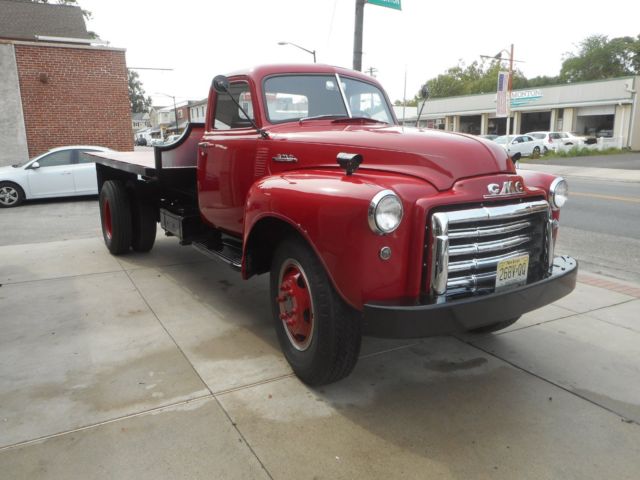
[{"x": 606, "y": 108}]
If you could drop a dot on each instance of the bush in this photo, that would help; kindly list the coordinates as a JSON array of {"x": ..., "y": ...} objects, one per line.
[{"x": 584, "y": 152}]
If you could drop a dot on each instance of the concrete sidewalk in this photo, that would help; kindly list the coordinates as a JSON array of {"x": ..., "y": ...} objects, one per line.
[
  {"x": 615, "y": 174},
  {"x": 166, "y": 365}
]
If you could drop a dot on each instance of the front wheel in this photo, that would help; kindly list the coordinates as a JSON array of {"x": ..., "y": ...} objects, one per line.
[
  {"x": 11, "y": 195},
  {"x": 536, "y": 152},
  {"x": 318, "y": 332}
]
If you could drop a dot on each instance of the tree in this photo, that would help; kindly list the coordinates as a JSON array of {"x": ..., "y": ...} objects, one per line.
[
  {"x": 477, "y": 77},
  {"x": 599, "y": 58},
  {"x": 139, "y": 103}
]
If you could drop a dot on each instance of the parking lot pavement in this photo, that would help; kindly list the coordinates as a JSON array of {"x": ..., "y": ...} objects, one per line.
[{"x": 165, "y": 365}]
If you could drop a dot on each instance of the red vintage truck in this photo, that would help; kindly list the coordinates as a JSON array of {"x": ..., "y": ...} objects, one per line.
[{"x": 366, "y": 227}]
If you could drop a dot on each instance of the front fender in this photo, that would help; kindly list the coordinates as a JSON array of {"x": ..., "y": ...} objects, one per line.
[{"x": 330, "y": 210}]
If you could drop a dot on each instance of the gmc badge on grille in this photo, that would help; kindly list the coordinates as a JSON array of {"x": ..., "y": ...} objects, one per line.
[{"x": 508, "y": 188}]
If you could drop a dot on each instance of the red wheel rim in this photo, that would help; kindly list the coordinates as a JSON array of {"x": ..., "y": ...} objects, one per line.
[
  {"x": 106, "y": 219},
  {"x": 295, "y": 304}
]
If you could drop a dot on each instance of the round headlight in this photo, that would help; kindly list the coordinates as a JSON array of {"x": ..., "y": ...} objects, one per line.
[
  {"x": 385, "y": 212},
  {"x": 559, "y": 193}
]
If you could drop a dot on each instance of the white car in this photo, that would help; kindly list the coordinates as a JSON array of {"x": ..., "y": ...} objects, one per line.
[
  {"x": 524, "y": 145},
  {"x": 557, "y": 140},
  {"x": 60, "y": 172}
]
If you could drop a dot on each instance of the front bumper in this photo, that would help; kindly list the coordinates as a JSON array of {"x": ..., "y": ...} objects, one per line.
[{"x": 412, "y": 321}]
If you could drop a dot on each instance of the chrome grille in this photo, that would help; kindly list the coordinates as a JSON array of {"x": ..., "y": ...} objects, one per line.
[{"x": 468, "y": 244}]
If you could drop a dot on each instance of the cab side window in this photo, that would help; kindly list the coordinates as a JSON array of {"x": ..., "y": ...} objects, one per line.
[
  {"x": 226, "y": 113},
  {"x": 56, "y": 159}
]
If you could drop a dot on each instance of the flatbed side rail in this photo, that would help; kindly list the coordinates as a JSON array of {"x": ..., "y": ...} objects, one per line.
[{"x": 183, "y": 153}]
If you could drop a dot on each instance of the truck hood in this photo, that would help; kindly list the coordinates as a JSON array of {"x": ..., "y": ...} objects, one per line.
[{"x": 441, "y": 158}]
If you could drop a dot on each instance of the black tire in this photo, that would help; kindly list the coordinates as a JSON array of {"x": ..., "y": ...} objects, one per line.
[
  {"x": 11, "y": 195},
  {"x": 494, "y": 327},
  {"x": 115, "y": 216},
  {"x": 536, "y": 152},
  {"x": 330, "y": 349},
  {"x": 545, "y": 151},
  {"x": 144, "y": 224}
]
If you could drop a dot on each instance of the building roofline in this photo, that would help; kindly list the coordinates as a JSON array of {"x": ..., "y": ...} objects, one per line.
[
  {"x": 626, "y": 77},
  {"x": 60, "y": 45}
]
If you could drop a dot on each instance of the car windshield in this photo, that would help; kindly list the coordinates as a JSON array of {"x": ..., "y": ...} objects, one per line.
[
  {"x": 503, "y": 139},
  {"x": 312, "y": 97}
]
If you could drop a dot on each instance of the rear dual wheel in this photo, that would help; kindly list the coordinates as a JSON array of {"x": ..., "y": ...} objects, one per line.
[
  {"x": 127, "y": 222},
  {"x": 318, "y": 332}
]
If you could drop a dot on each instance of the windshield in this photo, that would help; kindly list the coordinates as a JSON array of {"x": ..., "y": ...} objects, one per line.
[
  {"x": 297, "y": 97},
  {"x": 539, "y": 136},
  {"x": 503, "y": 139},
  {"x": 22, "y": 164}
]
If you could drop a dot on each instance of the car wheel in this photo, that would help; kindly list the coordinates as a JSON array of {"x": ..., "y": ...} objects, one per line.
[
  {"x": 319, "y": 333},
  {"x": 536, "y": 152},
  {"x": 115, "y": 216},
  {"x": 144, "y": 224},
  {"x": 11, "y": 195},
  {"x": 494, "y": 327}
]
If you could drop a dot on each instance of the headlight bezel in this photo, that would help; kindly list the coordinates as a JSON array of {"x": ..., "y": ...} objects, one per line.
[
  {"x": 554, "y": 189},
  {"x": 373, "y": 211}
]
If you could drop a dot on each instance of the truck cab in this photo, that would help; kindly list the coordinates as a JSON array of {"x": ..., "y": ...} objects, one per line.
[{"x": 364, "y": 226}]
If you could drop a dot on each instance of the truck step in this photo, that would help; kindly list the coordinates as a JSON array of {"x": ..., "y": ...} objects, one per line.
[{"x": 226, "y": 250}]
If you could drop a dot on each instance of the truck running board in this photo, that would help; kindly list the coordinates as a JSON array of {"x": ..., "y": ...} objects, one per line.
[{"x": 226, "y": 250}]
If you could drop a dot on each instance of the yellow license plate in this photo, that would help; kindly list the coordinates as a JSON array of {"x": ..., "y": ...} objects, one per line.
[{"x": 512, "y": 272}]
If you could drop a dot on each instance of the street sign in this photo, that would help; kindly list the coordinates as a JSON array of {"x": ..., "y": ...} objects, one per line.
[
  {"x": 502, "y": 101},
  {"x": 386, "y": 3}
]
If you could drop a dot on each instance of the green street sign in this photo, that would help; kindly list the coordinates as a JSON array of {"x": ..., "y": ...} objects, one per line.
[{"x": 386, "y": 3}]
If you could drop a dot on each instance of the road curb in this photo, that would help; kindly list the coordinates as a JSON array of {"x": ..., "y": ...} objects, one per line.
[{"x": 611, "y": 174}]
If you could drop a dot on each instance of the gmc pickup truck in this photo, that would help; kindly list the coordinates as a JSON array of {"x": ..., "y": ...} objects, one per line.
[{"x": 365, "y": 227}]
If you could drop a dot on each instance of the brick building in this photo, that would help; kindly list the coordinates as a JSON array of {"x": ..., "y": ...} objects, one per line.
[{"x": 56, "y": 87}]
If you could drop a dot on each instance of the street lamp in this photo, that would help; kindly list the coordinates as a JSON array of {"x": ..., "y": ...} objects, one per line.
[
  {"x": 498, "y": 56},
  {"x": 175, "y": 109},
  {"x": 312, "y": 52}
]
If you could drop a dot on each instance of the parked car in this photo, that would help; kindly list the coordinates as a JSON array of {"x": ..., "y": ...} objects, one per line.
[
  {"x": 524, "y": 145},
  {"x": 141, "y": 141},
  {"x": 557, "y": 140},
  {"x": 60, "y": 172}
]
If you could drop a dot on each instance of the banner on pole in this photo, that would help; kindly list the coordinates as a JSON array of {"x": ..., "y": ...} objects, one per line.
[
  {"x": 502, "y": 100},
  {"x": 386, "y": 3}
]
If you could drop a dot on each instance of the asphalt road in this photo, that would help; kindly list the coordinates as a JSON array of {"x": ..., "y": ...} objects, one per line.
[{"x": 600, "y": 226}]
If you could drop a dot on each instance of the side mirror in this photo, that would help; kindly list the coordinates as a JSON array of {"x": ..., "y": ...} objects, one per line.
[
  {"x": 424, "y": 92},
  {"x": 515, "y": 157},
  {"x": 220, "y": 84},
  {"x": 35, "y": 165}
]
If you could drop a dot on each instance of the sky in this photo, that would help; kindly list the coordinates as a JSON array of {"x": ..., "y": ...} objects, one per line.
[{"x": 199, "y": 39}]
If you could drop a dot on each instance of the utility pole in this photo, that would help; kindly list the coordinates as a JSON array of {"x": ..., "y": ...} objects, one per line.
[
  {"x": 371, "y": 71},
  {"x": 509, "y": 88},
  {"x": 357, "y": 35}
]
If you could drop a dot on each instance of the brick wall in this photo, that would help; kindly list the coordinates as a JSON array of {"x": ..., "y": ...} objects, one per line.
[{"x": 74, "y": 96}]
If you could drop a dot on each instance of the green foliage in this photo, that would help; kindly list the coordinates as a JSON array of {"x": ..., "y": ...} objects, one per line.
[
  {"x": 478, "y": 77},
  {"x": 139, "y": 103},
  {"x": 575, "y": 152},
  {"x": 599, "y": 58}
]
